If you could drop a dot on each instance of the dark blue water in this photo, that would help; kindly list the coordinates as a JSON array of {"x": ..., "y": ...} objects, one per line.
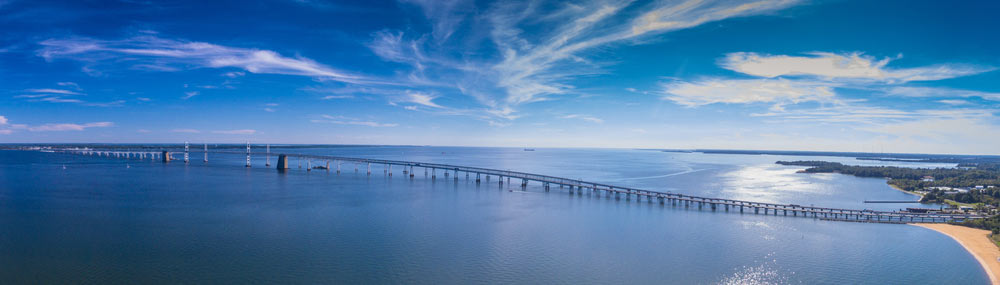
[{"x": 115, "y": 221}]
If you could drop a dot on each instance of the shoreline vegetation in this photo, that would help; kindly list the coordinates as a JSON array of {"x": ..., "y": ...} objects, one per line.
[
  {"x": 977, "y": 242},
  {"x": 971, "y": 187}
]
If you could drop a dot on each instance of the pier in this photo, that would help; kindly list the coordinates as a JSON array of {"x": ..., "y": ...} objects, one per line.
[{"x": 578, "y": 187}]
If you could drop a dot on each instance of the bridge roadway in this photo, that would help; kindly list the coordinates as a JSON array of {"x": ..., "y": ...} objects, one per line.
[{"x": 834, "y": 214}]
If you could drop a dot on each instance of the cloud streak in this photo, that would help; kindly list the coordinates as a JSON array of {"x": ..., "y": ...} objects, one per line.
[
  {"x": 588, "y": 118},
  {"x": 236, "y": 132},
  {"x": 831, "y": 66},
  {"x": 169, "y": 54},
  {"x": 341, "y": 120},
  {"x": 540, "y": 66},
  {"x": 742, "y": 91}
]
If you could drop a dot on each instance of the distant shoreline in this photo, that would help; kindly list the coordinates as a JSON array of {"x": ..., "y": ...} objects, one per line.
[{"x": 977, "y": 242}]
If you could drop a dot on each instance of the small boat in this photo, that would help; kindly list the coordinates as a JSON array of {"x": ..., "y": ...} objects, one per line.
[{"x": 529, "y": 149}]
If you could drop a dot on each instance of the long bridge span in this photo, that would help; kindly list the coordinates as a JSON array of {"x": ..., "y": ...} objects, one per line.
[{"x": 485, "y": 175}]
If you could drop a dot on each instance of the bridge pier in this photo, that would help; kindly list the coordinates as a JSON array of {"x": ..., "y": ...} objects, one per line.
[
  {"x": 282, "y": 162},
  {"x": 369, "y": 169},
  {"x": 477, "y": 177}
]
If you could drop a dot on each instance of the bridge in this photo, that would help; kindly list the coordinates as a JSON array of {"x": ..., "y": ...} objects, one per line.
[{"x": 578, "y": 186}]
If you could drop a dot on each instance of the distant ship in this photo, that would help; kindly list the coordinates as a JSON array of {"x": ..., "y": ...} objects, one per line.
[{"x": 529, "y": 149}]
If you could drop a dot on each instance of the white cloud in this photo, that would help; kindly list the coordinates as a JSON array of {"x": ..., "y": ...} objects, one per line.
[
  {"x": 144, "y": 99},
  {"x": 268, "y": 109},
  {"x": 446, "y": 15},
  {"x": 236, "y": 132},
  {"x": 867, "y": 115},
  {"x": 954, "y": 102},
  {"x": 341, "y": 120},
  {"x": 715, "y": 90},
  {"x": 421, "y": 98},
  {"x": 52, "y": 91},
  {"x": 331, "y": 97},
  {"x": 3, "y": 120},
  {"x": 70, "y": 85},
  {"x": 583, "y": 117},
  {"x": 839, "y": 66},
  {"x": 411, "y": 108},
  {"x": 144, "y": 131},
  {"x": 189, "y": 94},
  {"x": 534, "y": 67},
  {"x": 940, "y": 92},
  {"x": 943, "y": 130},
  {"x": 167, "y": 55},
  {"x": 187, "y": 131},
  {"x": 68, "y": 127}
]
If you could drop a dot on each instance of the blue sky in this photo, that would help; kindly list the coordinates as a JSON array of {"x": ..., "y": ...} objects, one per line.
[{"x": 892, "y": 76}]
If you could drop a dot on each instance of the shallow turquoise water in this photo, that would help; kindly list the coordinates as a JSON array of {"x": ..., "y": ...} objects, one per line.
[{"x": 99, "y": 221}]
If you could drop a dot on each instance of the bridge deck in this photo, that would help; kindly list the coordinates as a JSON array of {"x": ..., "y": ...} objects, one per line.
[{"x": 836, "y": 214}]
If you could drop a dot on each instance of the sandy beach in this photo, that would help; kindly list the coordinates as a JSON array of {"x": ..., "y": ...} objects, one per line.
[{"x": 977, "y": 242}]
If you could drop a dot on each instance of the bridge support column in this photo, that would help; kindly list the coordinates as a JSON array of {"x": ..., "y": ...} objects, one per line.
[
  {"x": 433, "y": 173},
  {"x": 477, "y": 177},
  {"x": 282, "y": 162},
  {"x": 369, "y": 169}
]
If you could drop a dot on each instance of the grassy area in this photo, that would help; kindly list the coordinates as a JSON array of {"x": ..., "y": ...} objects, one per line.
[{"x": 960, "y": 204}]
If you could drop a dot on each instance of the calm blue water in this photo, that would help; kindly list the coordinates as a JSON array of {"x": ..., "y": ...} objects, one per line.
[{"x": 99, "y": 221}]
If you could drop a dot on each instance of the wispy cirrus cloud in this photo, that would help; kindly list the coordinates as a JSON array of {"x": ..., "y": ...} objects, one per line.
[
  {"x": 832, "y": 66},
  {"x": 185, "y": 131},
  {"x": 940, "y": 92},
  {"x": 155, "y": 53},
  {"x": 52, "y": 95},
  {"x": 236, "y": 132},
  {"x": 52, "y": 91},
  {"x": 7, "y": 128},
  {"x": 588, "y": 118},
  {"x": 342, "y": 120},
  {"x": 741, "y": 91},
  {"x": 68, "y": 127},
  {"x": 421, "y": 98},
  {"x": 535, "y": 67}
]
